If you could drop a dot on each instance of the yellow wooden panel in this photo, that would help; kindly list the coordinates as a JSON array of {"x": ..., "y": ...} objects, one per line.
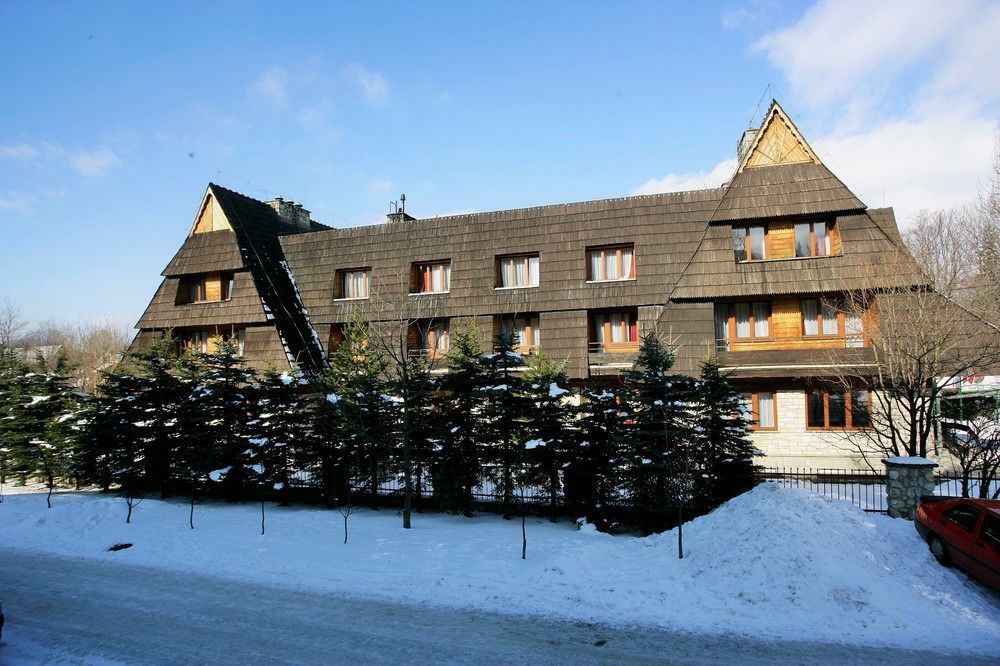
[
  {"x": 213, "y": 287},
  {"x": 781, "y": 241},
  {"x": 835, "y": 243},
  {"x": 778, "y": 142},
  {"x": 205, "y": 222}
]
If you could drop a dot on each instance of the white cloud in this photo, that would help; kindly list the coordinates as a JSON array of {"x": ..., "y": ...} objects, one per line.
[
  {"x": 745, "y": 15},
  {"x": 372, "y": 86},
  {"x": 15, "y": 202},
  {"x": 379, "y": 186},
  {"x": 692, "y": 180},
  {"x": 844, "y": 60},
  {"x": 94, "y": 163},
  {"x": 272, "y": 86},
  {"x": 19, "y": 151},
  {"x": 848, "y": 48}
]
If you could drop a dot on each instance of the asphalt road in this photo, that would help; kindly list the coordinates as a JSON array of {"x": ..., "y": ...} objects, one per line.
[{"x": 63, "y": 610}]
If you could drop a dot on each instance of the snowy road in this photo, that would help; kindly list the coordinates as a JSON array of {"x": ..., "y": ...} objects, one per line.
[{"x": 64, "y": 610}]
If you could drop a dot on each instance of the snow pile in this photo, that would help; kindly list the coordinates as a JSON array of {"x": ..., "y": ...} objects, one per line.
[{"x": 772, "y": 563}]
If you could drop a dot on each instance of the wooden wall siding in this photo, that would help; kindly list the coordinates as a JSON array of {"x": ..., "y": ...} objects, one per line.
[
  {"x": 714, "y": 272},
  {"x": 786, "y": 330},
  {"x": 665, "y": 230},
  {"x": 213, "y": 287},
  {"x": 243, "y": 308},
  {"x": 779, "y": 143},
  {"x": 211, "y": 217},
  {"x": 780, "y": 241},
  {"x": 782, "y": 191},
  {"x": 206, "y": 252},
  {"x": 804, "y": 364},
  {"x": 564, "y": 338},
  {"x": 262, "y": 348},
  {"x": 691, "y": 328}
]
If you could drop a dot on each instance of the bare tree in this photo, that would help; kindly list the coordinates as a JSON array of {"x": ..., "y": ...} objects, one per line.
[
  {"x": 12, "y": 323},
  {"x": 92, "y": 348}
]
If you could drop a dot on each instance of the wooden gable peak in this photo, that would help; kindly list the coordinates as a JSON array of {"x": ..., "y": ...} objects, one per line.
[
  {"x": 778, "y": 141},
  {"x": 210, "y": 216}
]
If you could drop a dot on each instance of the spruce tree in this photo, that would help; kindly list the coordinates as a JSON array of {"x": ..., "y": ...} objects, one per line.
[
  {"x": 723, "y": 437},
  {"x": 458, "y": 464},
  {"x": 504, "y": 416},
  {"x": 158, "y": 395},
  {"x": 661, "y": 443},
  {"x": 284, "y": 430},
  {"x": 549, "y": 421},
  {"x": 593, "y": 480}
]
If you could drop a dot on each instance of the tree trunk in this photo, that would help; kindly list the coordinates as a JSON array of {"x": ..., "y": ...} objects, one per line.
[
  {"x": 407, "y": 470},
  {"x": 52, "y": 484},
  {"x": 191, "y": 516},
  {"x": 262, "y": 514}
]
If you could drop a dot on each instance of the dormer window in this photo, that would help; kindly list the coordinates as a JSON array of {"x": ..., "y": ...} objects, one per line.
[
  {"x": 748, "y": 243},
  {"x": 353, "y": 283},
  {"x": 206, "y": 288},
  {"x": 812, "y": 239},
  {"x": 517, "y": 271},
  {"x": 431, "y": 278},
  {"x": 616, "y": 262}
]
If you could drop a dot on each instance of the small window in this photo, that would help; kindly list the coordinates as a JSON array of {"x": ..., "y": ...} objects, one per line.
[
  {"x": 812, "y": 239},
  {"x": 335, "y": 339},
  {"x": 517, "y": 271},
  {"x": 228, "y": 283},
  {"x": 820, "y": 317},
  {"x": 431, "y": 277},
  {"x": 964, "y": 516},
  {"x": 434, "y": 338},
  {"x": 611, "y": 263},
  {"x": 353, "y": 283},
  {"x": 746, "y": 321},
  {"x": 612, "y": 331},
  {"x": 837, "y": 410},
  {"x": 524, "y": 331},
  {"x": 721, "y": 327},
  {"x": 762, "y": 409},
  {"x": 749, "y": 243}
]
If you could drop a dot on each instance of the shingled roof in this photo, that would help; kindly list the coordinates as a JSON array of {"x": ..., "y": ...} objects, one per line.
[{"x": 264, "y": 290}]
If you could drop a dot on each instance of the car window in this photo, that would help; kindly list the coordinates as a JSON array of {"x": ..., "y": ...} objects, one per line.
[
  {"x": 964, "y": 516},
  {"x": 991, "y": 532}
]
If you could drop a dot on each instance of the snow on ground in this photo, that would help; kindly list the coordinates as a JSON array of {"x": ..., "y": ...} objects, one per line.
[{"x": 775, "y": 562}]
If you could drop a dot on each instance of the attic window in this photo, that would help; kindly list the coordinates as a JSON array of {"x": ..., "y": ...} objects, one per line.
[
  {"x": 813, "y": 239},
  {"x": 353, "y": 283},
  {"x": 205, "y": 288},
  {"x": 749, "y": 243},
  {"x": 431, "y": 277}
]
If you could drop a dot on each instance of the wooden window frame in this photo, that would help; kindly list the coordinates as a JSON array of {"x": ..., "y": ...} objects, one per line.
[
  {"x": 423, "y": 275},
  {"x": 733, "y": 339},
  {"x": 841, "y": 325},
  {"x": 529, "y": 331},
  {"x": 617, "y": 248},
  {"x": 527, "y": 256},
  {"x": 632, "y": 323},
  {"x": 748, "y": 243},
  {"x": 848, "y": 409},
  {"x": 755, "y": 410},
  {"x": 341, "y": 283},
  {"x": 812, "y": 238}
]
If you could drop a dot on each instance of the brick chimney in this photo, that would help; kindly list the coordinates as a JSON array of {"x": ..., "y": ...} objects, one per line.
[
  {"x": 292, "y": 213},
  {"x": 745, "y": 142}
]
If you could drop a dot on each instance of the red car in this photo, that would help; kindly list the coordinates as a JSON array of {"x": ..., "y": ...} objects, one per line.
[{"x": 964, "y": 532}]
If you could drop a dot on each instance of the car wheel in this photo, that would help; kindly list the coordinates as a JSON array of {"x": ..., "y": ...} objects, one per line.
[{"x": 938, "y": 550}]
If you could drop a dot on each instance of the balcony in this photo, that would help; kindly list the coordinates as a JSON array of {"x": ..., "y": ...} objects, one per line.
[
  {"x": 793, "y": 361},
  {"x": 608, "y": 358},
  {"x": 799, "y": 343}
]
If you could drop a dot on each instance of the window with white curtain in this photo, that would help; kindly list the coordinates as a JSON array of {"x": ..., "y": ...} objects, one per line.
[
  {"x": 829, "y": 314},
  {"x": 854, "y": 330},
  {"x": 518, "y": 271},
  {"x": 434, "y": 337},
  {"x": 721, "y": 327},
  {"x": 434, "y": 277},
  {"x": 611, "y": 263},
  {"x": 765, "y": 410},
  {"x": 615, "y": 327},
  {"x": 524, "y": 330},
  {"x": 355, "y": 283},
  {"x": 751, "y": 319},
  {"x": 810, "y": 316}
]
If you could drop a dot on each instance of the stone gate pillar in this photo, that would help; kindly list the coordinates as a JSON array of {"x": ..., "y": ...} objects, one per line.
[{"x": 907, "y": 480}]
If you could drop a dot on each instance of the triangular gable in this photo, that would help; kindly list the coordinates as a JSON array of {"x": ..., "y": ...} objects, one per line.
[
  {"x": 210, "y": 216},
  {"x": 778, "y": 141}
]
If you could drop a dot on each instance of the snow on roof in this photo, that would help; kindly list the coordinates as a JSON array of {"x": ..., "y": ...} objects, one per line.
[{"x": 915, "y": 461}]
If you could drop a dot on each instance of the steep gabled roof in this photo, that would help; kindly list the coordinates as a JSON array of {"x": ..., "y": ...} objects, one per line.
[
  {"x": 869, "y": 239},
  {"x": 243, "y": 238}
]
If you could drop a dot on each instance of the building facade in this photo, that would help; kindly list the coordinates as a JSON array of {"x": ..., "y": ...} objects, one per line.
[{"x": 756, "y": 272}]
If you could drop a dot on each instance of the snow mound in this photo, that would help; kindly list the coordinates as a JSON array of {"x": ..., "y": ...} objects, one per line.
[{"x": 774, "y": 562}]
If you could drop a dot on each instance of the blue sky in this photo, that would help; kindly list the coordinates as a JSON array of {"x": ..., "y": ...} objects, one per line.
[{"x": 116, "y": 115}]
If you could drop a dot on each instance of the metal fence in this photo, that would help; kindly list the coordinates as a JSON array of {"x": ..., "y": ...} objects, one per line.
[{"x": 863, "y": 487}]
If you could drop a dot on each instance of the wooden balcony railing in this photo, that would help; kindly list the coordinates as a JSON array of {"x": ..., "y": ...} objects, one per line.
[
  {"x": 790, "y": 344},
  {"x": 613, "y": 347}
]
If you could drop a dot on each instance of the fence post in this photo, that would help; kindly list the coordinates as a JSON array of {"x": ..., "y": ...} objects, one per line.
[{"x": 908, "y": 479}]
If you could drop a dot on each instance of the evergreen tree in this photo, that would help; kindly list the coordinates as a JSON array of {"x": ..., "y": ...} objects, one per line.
[
  {"x": 356, "y": 377},
  {"x": 549, "y": 425},
  {"x": 504, "y": 417},
  {"x": 284, "y": 430},
  {"x": 458, "y": 465},
  {"x": 596, "y": 474},
  {"x": 158, "y": 396},
  {"x": 723, "y": 437},
  {"x": 661, "y": 444},
  {"x": 412, "y": 389}
]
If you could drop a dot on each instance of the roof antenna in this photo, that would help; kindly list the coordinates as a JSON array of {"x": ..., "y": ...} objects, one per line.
[{"x": 402, "y": 206}]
